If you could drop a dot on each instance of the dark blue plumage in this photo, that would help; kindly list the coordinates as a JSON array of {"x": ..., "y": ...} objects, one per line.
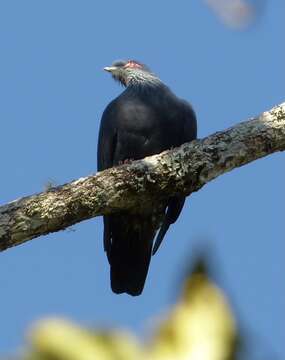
[{"x": 146, "y": 119}]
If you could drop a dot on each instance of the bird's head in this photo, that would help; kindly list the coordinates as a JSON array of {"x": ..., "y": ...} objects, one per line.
[{"x": 130, "y": 72}]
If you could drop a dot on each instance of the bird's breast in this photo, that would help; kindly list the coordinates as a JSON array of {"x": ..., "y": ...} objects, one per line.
[
  {"x": 137, "y": 117},
  {"x": 145, "y": 126}
]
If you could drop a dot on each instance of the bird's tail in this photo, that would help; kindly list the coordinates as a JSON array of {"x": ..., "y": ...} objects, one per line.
[{"x": 130, "y": 252}]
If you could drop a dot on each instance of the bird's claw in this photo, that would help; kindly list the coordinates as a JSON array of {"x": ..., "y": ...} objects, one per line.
[{"x": 126, "y": 161}]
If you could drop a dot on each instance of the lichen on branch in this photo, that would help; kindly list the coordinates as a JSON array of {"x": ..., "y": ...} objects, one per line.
[{"x": 137, "y": 185}]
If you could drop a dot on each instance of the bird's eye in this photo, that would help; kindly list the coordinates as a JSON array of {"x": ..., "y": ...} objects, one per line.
[{"x": 119, "y": 63}]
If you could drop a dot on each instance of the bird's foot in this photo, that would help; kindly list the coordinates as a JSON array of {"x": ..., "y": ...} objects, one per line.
[{"x": 126, "y": 161}]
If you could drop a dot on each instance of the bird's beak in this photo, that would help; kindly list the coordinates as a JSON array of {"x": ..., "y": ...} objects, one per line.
[{"x": 110, "y": 68}]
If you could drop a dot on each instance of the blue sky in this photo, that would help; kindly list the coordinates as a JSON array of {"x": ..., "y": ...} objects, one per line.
[{"x": 53, "y": 92}]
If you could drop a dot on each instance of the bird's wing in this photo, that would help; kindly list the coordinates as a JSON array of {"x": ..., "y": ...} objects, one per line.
[
  {"x": 107, "y": 138},
  {"x": 176, "y": 203},
  {"x": 174, "y": 209},
  {"x": 107, "y": 142}
]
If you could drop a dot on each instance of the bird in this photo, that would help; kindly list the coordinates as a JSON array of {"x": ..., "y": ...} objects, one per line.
[{"x": 145, "y": 119}]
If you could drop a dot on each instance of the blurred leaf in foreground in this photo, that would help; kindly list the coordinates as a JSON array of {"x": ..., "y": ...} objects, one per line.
[
  {"x": 199, "y": 327},
  {"x": 237, "y": 14},
  {"x": 58, "y": 339}
]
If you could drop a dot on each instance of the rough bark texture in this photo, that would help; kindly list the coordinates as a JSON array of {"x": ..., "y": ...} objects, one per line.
[{"x": 181, "y": 170}]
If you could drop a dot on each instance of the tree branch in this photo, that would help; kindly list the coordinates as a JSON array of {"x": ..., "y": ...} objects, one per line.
[{"x": 135, "y": 186}]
